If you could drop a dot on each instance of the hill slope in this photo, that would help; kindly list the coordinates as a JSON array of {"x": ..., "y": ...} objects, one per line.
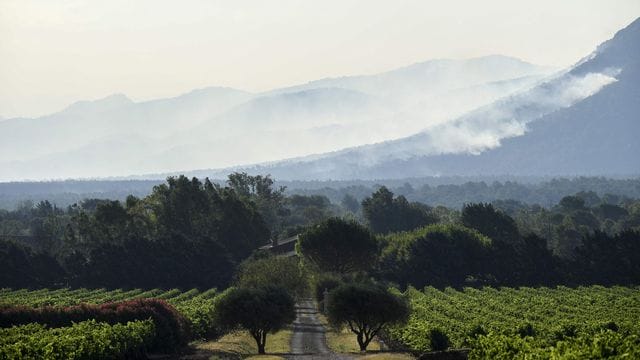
[
  {"x": 218, "y": 127},
  {"x": 584, "y": 121}
]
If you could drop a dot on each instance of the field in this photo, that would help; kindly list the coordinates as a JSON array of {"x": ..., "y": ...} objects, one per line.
[
  {"x": 583, "y": 322},
  {"x": 503, "y": 323},
  {"x": 104, "y": 340}
]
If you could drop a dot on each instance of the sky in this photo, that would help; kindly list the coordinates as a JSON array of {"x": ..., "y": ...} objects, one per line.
[{"x": 53, "y": 53}]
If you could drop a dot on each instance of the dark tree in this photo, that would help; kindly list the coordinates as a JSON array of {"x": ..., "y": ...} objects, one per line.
[
  {"x": 437, "y": 255},
  {"x": 365, "y": 309},
  {"x": 337, "y": 245},
  {"x": 21, "y": 267},
  {"x": 257, "y": 310},
  {"x": 491, "y": 222},
  {"x": 386, "y": 214},
  {"x": 608, "y": 259}
]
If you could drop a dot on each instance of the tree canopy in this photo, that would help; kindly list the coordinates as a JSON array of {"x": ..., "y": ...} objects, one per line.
[
  {"x": 437, "y": 255},
  {"x": 284, "y": 272},
  {"x": 386, "y": 214},
  {"x": 337, "y": 245},
  {"x": 258, "y": 310},
  {"x": 365, "y": 309}
]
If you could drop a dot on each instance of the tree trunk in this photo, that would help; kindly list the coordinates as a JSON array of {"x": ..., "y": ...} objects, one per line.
[
  {"x": 260, "y": 339},
  {"x": 264, "y": 343},
  {"x": 361, "y": 342}
]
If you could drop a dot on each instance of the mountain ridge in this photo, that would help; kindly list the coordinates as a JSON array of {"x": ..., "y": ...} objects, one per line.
[
  {"x": 563, "y": 137},
  {"x": 197, "y": 129}
]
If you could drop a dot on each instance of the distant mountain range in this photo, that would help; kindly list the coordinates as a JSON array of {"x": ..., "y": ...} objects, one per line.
[
  {"x": 485, "y": 116},
  {"x": 222, "y": 127},
  {"x": 584, "y": 120}
]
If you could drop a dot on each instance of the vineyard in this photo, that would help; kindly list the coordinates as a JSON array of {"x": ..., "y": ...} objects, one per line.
[
  {"x": 42, "y": 324},
  {"x": 506, "y": 323},
  {"x": 85, "y": 340}
]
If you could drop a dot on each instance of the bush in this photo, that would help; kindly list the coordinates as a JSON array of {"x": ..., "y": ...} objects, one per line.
[
  {"x": 565, "y": 332},
  {"x": 477, "y": 330},
  {"x": 526, "y": 330},
  {"x": 171, "y": 328},
  {"x": 610, "y": 326},
  {"x": 439, "y": 340}
]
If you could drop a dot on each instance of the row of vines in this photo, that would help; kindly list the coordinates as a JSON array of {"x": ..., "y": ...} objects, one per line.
[
  {"x": 84, "y": 340},
  {"x": 100, "y": 323},
  {"x": 506, "y": 323}
]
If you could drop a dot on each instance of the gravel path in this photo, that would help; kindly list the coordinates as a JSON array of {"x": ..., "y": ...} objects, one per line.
[{"x": 308, "y": 340}]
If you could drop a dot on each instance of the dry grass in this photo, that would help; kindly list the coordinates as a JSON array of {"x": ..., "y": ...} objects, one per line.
[
  {"x": 241, "y": 345},
  {"x": 386, "y": 356},
  {"x": 344, "y": 341}
]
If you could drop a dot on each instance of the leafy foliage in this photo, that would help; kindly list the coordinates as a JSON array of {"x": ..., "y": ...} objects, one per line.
[
  {"x": 340, "y": 246},
  {"x": 284, "y": 272},
  {"x": 509, "y": 323},
  {"x": 257, "y": 310},
  {"x": 384, "y": 214},
  {"x": 84, "y": 340},
  {"x": 438, "y": 340},
  {"x": 172, "y": 329},
  {"x": 195, "y": 306},
  {"x": 438, "y": 255},
  {"x": 366, "y": 309}
]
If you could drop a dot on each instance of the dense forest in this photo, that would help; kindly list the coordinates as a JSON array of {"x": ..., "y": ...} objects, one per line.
[
  {"x": 191, "y": 233},
  {"x": 446, "y": 191}
]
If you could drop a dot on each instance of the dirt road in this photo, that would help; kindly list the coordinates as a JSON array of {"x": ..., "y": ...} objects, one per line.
[{"x": 308, "y": 340}]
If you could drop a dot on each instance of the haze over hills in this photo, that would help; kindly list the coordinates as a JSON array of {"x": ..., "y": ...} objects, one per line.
[
  {"x": 492, "y": 115},
  {"x": 584, "y": 121},
  {"x": 221, "y": 127}
]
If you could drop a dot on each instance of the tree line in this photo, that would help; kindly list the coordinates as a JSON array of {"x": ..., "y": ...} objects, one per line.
[{"x": 192, "y": 233}]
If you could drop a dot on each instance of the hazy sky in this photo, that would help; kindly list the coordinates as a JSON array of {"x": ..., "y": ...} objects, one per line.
[{"x": 53, "y": 53}]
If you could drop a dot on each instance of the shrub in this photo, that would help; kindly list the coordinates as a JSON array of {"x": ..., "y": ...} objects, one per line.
[
  {"x": 477, "y": 330},
  {"x": 565, "y": 332},
  {"x": 439, "y": 340},
  {"x": 526, "y": 330},
  {"x": 610, "y": 326}
]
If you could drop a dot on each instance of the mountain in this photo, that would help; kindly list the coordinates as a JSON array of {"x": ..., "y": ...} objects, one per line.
[
  {"x": 220, "y": 127},
  {"x": 584, "y": 121},
  {"x": 87, "y": 122}
]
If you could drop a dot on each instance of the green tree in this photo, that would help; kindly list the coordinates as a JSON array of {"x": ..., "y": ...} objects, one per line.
[
  {"x": 337, "y": 245},
  {"x": 491, "y": 222},
  {"x": 438, "y": 255},
  {"x": 365, "y": 309},
  {"x": 386, "y": 214},
  {"x": 258, "y": 310},
  {"x": 285, "y": 272},
  {"x": 261, "y": 191}
]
